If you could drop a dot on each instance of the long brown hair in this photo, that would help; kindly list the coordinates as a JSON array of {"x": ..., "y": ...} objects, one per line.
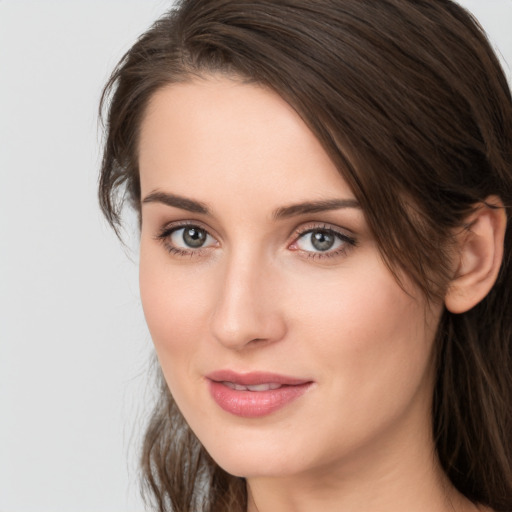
[{"x": 409, "y": 100}]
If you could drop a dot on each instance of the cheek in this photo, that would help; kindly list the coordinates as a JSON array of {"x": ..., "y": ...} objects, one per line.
[
  {"x": 361, "y": 308},
  {"x": 368, "y": 334},
  {"x": 172, "y": 301}
]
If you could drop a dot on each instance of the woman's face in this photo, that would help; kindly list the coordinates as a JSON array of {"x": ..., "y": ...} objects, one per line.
[{"x": 258, "y": 269}]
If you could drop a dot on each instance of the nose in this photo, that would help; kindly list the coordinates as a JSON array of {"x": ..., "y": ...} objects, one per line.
[{"x": 247, "y": 308}]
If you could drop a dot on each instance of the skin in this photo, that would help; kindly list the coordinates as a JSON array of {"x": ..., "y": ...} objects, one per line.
[{"x": 258, "y": 296}]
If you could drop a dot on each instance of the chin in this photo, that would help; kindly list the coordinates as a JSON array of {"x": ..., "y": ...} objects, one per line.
[
  {"x": 248, "y": 464},
  {"x": 262, "y": 454}
]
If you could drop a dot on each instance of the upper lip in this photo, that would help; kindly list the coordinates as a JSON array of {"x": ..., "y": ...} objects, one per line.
[{"x": 254, "y": 378}]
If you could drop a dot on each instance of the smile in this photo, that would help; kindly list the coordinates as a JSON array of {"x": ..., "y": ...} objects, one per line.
[{"x": 254, "y": 395}]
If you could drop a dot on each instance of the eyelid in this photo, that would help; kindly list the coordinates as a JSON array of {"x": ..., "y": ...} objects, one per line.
[
  {"x": 169, "y": 227},
  {"x": 345, "y": 233}
]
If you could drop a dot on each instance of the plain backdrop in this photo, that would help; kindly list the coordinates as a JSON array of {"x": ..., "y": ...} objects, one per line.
[{"x": 74, "y": 350}]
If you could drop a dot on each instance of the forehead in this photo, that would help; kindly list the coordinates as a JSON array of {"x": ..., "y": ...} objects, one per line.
[{"x": 231, "y": 140}]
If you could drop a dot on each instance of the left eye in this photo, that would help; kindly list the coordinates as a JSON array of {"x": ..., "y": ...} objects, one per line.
[
  {"x": 191, "y": 237},
  {"x": 319, "y": 240}
]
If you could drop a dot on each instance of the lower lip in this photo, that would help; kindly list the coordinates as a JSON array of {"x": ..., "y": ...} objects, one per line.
[{"x": 254, "y": 404}]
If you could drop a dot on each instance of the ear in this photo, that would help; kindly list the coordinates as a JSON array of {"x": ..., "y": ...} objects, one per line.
[{"x": 480, "y": 253}]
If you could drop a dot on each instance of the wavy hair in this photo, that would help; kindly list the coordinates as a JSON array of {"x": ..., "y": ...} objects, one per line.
[{"x": 409, "y": 101}]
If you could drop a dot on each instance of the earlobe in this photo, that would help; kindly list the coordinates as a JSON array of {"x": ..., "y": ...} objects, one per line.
[{"x": 480, "y": 253}]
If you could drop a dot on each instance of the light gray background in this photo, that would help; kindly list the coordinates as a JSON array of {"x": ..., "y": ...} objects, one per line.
[{"x": 74, "y": 350}]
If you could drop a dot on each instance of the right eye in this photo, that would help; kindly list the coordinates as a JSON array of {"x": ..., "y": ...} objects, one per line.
[
  {"x": 190, "y": 237},
  {"x": 185, "y": 240}
]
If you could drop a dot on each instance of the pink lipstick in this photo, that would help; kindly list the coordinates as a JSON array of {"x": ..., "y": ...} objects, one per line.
[{"x": 252, "y": 395}]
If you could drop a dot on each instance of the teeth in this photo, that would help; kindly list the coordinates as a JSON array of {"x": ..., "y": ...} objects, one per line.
[
  {"x": 264, "y": 387},
  {"x": 232, "y": 385},
  {"x": 256, "y": 387}
]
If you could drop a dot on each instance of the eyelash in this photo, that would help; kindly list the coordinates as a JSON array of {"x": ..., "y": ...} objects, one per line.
[{"x": 347, "y": 241}]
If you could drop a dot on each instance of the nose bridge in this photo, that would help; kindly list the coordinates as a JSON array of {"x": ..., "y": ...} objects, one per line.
[{"x": 245, "y": 308}]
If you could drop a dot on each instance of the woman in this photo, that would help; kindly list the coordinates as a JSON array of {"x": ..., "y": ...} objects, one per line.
[{"x": 322, "y": 188}]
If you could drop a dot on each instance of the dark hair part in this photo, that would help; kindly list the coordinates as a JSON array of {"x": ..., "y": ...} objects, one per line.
[{"x": 409, "y": 100}]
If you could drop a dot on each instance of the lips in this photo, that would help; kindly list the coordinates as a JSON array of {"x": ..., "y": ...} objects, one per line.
[{"x": 252, "y": 395}]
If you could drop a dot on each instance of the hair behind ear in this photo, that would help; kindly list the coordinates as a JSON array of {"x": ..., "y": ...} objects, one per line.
[{"x": 472, "y": 409}]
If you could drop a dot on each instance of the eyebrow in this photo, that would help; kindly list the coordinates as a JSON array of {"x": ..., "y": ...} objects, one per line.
[
  {"x": 177, "y": 202},
  {"x": 314, "y": 207},
  {"x": 284, "y": 212}
]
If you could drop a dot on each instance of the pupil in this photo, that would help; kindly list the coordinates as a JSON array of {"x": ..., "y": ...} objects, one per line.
[
  {"x": 321, "y": 240},
  {"x": 194, "y": 237}
]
